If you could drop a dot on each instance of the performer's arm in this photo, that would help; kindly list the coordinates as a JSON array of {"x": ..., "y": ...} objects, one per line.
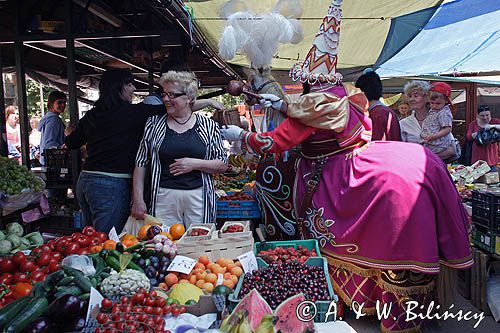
[{"x": 289, "y": 133}]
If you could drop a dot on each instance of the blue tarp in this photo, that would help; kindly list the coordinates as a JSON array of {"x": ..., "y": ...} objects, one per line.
[{"x": 462, "y": 36}]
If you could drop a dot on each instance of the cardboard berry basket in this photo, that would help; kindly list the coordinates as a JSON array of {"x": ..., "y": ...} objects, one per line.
[
  {"x": 210, "y": 227},
  {"x": 245, "y": 233}
]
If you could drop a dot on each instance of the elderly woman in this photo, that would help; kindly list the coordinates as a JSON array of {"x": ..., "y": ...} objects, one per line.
[
  {"x": 185, "y": 149},
  {"x": 417, "y": 94},
  {"x": 487, "y": 152}
]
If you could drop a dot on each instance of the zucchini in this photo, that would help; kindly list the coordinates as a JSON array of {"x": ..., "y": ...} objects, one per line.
[
  {"x": 8, "y": 312},
  {"x": 99, "y": 264},
  {"x": 103, "y": 254},
  {"x": 84, "y": 296},
  {"x": 113, "y": 263},
  {"x": 83, "y": 282},
  {"x": 115, "y": 254},
  {"x": 71, "y": 271},
  {"x": 39, "y": 290},
  {"x": 34, "y": 309},
  {"x": 93, "y": 282}
]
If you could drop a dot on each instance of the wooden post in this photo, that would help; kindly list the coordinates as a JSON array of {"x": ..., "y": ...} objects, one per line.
[{"x": 483, "y": 283}]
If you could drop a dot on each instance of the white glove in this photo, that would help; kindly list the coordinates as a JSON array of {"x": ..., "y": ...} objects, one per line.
[
  {"x": 231, "y": 133},
  {"x": 271, "y": 101}
]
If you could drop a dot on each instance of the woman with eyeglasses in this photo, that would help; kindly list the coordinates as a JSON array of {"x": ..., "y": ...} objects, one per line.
[
  {"x": 111, "y": 131},
  {"x": 184, "y": 150}
]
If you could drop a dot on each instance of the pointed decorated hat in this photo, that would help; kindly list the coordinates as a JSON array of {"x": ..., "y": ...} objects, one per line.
[{"x": 320, "y": 63}]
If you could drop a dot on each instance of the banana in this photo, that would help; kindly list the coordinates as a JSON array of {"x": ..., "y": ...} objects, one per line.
[
  {"x": 231, "y": 323},
  {"x": 266, "y": 325}
]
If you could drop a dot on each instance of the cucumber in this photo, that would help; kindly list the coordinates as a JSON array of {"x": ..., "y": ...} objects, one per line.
[
  {"x": 83, "y": 282},
  {"x": 34, "y": 309},
  {"x": 113, "y": 263},
  {"x": 70, "y": 271},
  {"x": 39, "y": 290},
  {"x": 8, "y": 312},
  {"x": 115, "y": 254},
  {"x": 66, "y": 281},
  {"x": 98, "y": 264},
  {"x": 53, "y": 278},
  {"x": 72, "y": 290},
  {"x": 84, "y": 296},
  {"x": 93, "y": 282},
  {"x": 134, "y": 266}
]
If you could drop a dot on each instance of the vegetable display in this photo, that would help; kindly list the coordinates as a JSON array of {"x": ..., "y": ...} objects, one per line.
[
  {"x": 14, "y": 178},
  {"x": 12, "y": 240}
]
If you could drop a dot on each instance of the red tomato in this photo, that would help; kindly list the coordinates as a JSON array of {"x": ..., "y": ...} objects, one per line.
[
  {"x": 57, "y": 256},
  {"x": 45, "y": 248},
  {"x": 61, "y": 245},
  {"x": 6, "y": 278},
  {"x": 43, "y": 260},
  {"x": 37, "y": 276},
  {"x": 175, "y": 311},
  {"x": 142, "y": 317},
  {"x": 83, "y": 241},
  {"x": 88, "y": 231},
  {"x": 75, "y": 236},
  {"x": 183, "y": 309},
  {"x": 18, "y": 258},
  {"x": 138, "y": 298},
  {"x": 7, "y": 265},
  {"x": 150, "y": 301},
  {"x": 20, "y": 277},
  {"x": 45, "y": 270},
  {"x": 102, "y": 318},
  {"x": 51, "y": 244},
  {"x": 102, "y": 236},
  {"x": 148, "y": 310},
  {"x": 166, "y": 309},
  {"x": 158, "y": 311},
  {"x": 28, "y": 266},
  {"x": 54, "y": 266},
  {"x": 153, "y": 294},
  {"x": 72, "y": 248},
  {"x": 95, "y": 241},
  {"x": 83, "y": 251},
  {"x": 106, "y": 303},
  {"x": 160, "y": 302}
]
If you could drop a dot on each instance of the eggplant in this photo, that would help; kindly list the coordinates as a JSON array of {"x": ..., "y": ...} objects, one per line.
[
  {"x": 84, "y": 305},
  {"x": 40, "y": 325},
  {"x": 66, "y": 306},
  {"x": 75, "y": 325}
]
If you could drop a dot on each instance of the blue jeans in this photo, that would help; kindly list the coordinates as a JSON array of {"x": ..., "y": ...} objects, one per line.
[{"x": 104, "y": 200}]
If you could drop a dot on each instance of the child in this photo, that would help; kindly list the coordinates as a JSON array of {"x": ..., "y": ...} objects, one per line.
[{"x": 436, "y": 128}]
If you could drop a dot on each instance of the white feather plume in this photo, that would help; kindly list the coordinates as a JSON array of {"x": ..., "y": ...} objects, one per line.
[
  {"x": 258, "y": 36},
  {"x": 288, "y": 8},
  {"x": 231, "y": 7}
]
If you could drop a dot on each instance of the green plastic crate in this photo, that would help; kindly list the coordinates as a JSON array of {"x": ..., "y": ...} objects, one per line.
[
  {"x": 311, "y": 244},
  {"x": 321, "y": 306}
]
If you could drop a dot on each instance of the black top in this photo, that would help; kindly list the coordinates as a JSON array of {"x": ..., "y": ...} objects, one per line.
[
  {"x": 179, "y": 145},
  {"x": 112, "y": 136}
]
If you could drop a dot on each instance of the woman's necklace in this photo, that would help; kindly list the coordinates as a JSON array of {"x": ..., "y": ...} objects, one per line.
[
  {"x": 184, "y": 122},
  {"x": 420, "y": 120}
]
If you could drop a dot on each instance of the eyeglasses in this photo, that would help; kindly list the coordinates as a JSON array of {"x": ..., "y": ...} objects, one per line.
[{"x": 172, "y": 95}]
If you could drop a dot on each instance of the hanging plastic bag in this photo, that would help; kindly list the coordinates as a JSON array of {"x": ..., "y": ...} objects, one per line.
[{"x": 133, "y": 225}]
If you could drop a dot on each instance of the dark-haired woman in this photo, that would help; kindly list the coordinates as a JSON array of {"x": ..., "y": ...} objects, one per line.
[{"x": 112, "y": 131}]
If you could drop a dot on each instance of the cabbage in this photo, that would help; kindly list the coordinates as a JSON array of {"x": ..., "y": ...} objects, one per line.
[
  {"x": 5, "y": 246},
  {"x": 14, "y": 239},
  {"x": 35, "y": 238},
  {"x": 15, "y": 229},
  {"x": 25, "y": 241},
  {"x": 2, "y": 235}
]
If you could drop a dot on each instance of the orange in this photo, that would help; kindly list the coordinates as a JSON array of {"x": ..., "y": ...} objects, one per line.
[
  {"x": 201, "y": 275},
  {"x": 218, "y": 270},
  {"x": 234, "y": 279},
  {"x": 221, "y": 262},
  {"x": 109, "y": 245},
  {"x": 128, "y": 236},
  {"x": 199, "y": 265},
  {"x": 230, "y": 267},
  {"x": 228, "y": 283},
  {"x": 200, "y": 283},
  {"x": 166, "y": 234},
  {"x": 227, "y": 275},
  {"x": 171, "y": 279},
  {"x": 210, "y": 266},
  {"x": 130, "y": 242},
  {"x": 208, "y": 287},
  {"x": 177, "y": 230},
  {"x": 192, "y": 279},
  {"x": 143, "y": 231},
  {"x": 237, "y": 271},
  {"x": 95, "y": 249},
  {"x": 204, "y": 260},
  {"x": 238, "y": 264},
  {"x": 212, "y": 278}
]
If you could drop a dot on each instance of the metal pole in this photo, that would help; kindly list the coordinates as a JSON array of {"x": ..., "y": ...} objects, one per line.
[
  {"x": 42, "y": 103},
  {"x": 22, "y": 103},
  {"x": 73, "y": 103},
  {"x": 3, "y": 130}
]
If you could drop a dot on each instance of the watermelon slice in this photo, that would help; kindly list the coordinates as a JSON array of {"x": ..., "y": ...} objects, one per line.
[
  {"x": 256, "y": 306},
  {"x": 287, "y": 317}
]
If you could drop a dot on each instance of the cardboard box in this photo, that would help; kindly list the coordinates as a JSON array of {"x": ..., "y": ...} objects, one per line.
[{"x": 489, "y": 178}]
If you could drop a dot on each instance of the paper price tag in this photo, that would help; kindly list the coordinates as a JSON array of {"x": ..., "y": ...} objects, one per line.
[
  {"x": 182, "y": 264},
  {"x": 248, "y": 262},
  {"x": 220, "y": 279},
  {"x": 113, "y": 235},
  {"x": 94, "y": 302}
]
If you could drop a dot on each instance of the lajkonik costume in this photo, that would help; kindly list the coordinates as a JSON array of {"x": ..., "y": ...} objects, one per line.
[{"x": 386, "y": 214}]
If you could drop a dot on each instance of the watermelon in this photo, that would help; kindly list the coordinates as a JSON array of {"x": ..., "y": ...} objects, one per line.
[
  {"x": 256, "y": 305},
  {"x": 287, "y": 317}
]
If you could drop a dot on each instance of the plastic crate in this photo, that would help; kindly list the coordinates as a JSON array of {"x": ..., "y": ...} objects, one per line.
[
  {"x": 321, "y": 306},
  {"x": 484, "y": 238},
  {"x": 235, "y": 209},
  {"x": 58, "y": 166},
  {"x": 310, "y": 244},
  {"x": 481, "y": 208}
]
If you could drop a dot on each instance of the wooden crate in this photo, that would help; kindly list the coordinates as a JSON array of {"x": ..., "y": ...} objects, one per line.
[
  {"x": 216, "y": 247},
  {"x": 479, "y": 281}
]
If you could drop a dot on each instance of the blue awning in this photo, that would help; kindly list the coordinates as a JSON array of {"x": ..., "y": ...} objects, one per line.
[{"x": 462, "y": 36}]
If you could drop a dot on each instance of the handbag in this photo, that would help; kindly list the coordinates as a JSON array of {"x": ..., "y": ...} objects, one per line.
[{"x": 487, "y": 136}]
